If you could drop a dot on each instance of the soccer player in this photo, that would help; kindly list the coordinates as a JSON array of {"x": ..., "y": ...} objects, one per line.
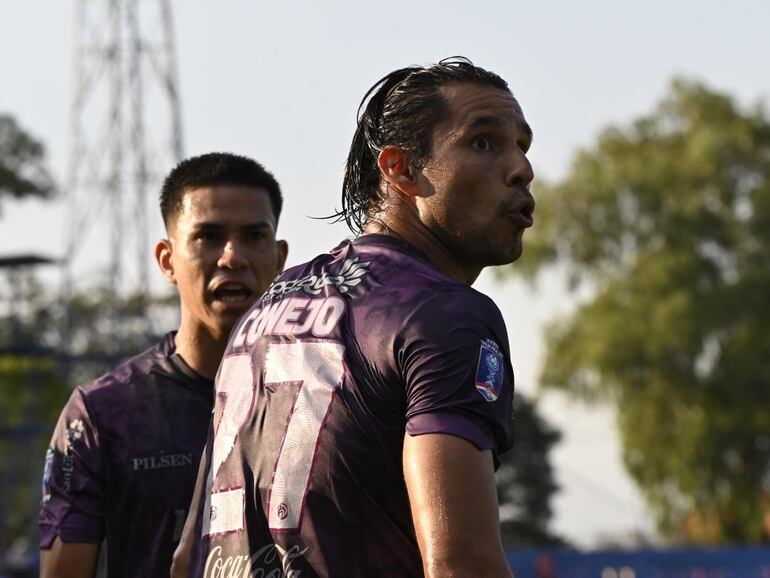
[
  {"x": 362, "y": 403},
  {"x": 124, "y": 455}
]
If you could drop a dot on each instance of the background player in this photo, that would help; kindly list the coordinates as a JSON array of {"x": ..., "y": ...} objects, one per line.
[
  {"x": 125, "y": 451},
  {"x": 363, "y": 401}
]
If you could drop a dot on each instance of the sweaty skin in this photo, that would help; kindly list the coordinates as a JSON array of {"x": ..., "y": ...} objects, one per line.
[
  {"x": 69, "y": 560},
  {"x": 453, "y": 500},
  {"x": 469, "y": 206},
  {"x": 466, "y": 209}
]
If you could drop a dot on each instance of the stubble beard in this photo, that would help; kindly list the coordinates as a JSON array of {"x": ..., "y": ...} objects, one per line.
[{"x": 490, "y": 253}]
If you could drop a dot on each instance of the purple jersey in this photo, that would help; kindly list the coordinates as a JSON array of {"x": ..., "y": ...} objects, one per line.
[
  {"x": 123, "y": 461},
  {"x": 320, "y": 382}
]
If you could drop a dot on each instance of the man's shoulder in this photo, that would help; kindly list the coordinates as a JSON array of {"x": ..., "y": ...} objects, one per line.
[
  {"x": 388, "y": 282},
  {"x": 133, "y": 371},
  {"x": 343, "y": 267},
  {"x": 453, "y": 311},
  {"x": 409, "y": 271}
]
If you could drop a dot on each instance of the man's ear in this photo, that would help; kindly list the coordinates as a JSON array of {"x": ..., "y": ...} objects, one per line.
[
  {"x": 283, "y": 251},
  {"x": 164, "y": 253},
  {"x": 396, "y": 171}
]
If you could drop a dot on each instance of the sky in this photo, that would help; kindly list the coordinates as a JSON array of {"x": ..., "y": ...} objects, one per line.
[{"x": 281, "y": 82}]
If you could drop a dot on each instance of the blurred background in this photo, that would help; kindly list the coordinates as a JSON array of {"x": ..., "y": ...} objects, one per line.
[{"x": 638, "y": 316}]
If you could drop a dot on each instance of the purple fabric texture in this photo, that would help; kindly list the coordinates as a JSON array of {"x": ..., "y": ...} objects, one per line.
[
  {"x": 450, "y": 423},
  {"x": 123, "y": 461},
  {"x": 321, "y": 381}
]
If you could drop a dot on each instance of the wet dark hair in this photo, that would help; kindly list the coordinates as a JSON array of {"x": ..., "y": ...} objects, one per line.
[
  {"x": 403, "y": 109},
  {"x": 214, "y": 169}
]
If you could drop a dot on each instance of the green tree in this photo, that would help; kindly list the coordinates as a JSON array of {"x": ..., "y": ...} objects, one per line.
[
  {"x": 23, "y": 171},
  {"x": 36, "y": 378},
  {"x": 525, "y": 480},
  {"x": 31, "y": 389},
  {"x": 666, "y": 224},
  {"x": 32, "y": 393}
]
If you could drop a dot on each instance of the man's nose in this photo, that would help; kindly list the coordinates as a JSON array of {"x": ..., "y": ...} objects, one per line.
[
  {"x": 520, "y": 172},
  {"x": 232, "y": 256}
]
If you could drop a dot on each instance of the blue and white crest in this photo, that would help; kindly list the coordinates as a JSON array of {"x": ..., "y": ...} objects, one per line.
[{"x": 490, "y": 370}]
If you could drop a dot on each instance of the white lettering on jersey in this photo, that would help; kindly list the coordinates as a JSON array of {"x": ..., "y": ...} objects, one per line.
[
  {"x": 350, "y": 274},
  {"x": 291, "y": 313},
  {"x": 245, "y": 566},
  {"x": 296, "y": 316}
]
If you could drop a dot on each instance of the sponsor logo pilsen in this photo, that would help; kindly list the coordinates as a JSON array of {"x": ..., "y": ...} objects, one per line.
[
  {"x": 261, "y": 564},
  {"x": 162, "y": 460}
]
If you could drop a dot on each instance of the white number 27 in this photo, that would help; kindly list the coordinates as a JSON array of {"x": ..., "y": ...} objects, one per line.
[{"x": 317, "y": 366}]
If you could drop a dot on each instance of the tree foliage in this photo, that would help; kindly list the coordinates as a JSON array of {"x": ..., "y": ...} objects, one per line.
[
  {"x": 667, "y": 222},
  {"x": 23, "y": 171},
  {"x": 31, "y": 388},
  {"x": 38, "y": 372},
  {"x": 525, "y": 480},
  {"x": 32, "y": 393}
]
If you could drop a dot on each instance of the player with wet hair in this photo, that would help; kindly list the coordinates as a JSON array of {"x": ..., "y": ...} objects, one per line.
[{"x": 363, "y": 401}]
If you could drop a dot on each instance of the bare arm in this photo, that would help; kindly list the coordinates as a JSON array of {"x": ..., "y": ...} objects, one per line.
[
  {"x": 69, "y": 560},
  {"x": 452, "y": 494},
  {"x": 180, "y": 563}
]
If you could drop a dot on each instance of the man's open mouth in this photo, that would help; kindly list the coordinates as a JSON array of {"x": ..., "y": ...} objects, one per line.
[{"x": 232, "y": 293}]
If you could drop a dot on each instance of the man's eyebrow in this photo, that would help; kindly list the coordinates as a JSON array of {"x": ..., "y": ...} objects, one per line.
[
  {"x": 206, "y": 225},
  {"x": 258, "y": 225},
  {"x": 490, "y": 120}
]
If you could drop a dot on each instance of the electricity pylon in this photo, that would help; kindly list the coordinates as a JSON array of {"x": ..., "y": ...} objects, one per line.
[{"x": 125, "y": 81}]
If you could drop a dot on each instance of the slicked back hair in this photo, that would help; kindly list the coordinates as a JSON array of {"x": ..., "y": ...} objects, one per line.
[
  {"x": 401, "y": 109},
  {"x": 216, "y": 169}
]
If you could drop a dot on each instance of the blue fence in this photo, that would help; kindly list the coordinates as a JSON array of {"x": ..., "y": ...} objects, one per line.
[{"x": 684, "y": 563}]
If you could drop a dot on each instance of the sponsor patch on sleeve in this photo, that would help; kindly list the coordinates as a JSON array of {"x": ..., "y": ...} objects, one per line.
[
  {"x": 490, "y": 370},
  {"x": 48, "y": 468},
  {"x": 75, "y": 431}
]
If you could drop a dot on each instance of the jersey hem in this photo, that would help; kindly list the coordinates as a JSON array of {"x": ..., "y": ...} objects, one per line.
[{"x": 450, "y": 423}]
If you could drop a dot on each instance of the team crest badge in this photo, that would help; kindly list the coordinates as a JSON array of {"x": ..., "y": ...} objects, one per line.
[{"x": 490, "y": 370}]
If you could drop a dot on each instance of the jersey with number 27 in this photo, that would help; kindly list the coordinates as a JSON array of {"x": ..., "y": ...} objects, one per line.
[{"x": 343, "y": 357}]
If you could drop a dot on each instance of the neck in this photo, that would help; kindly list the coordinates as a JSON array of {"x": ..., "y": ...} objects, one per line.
[
  {"x": 199, "y": 348},
  {"x": 406, "y": 224}
]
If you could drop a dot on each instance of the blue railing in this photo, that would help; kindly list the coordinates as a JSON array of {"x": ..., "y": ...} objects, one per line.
[{"x": 680, "y": 563}]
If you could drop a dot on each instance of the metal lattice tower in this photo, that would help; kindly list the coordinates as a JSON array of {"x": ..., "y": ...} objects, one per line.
[{"x": 125, "y": 81}]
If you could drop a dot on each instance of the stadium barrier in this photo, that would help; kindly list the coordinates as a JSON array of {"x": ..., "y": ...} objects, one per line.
[{"x": 737, "y": 562}]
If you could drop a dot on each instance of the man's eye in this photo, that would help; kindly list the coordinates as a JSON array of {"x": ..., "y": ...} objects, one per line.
[
  {"x": 257, "y": 235},
  {"x": 481, "y": 143},
  {"x": 207, "y": 237}
]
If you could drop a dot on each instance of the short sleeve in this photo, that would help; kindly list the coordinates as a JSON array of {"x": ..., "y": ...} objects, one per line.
[
  {"x": 453, "y": 355},
  {"x": 73, "y": 484}
]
